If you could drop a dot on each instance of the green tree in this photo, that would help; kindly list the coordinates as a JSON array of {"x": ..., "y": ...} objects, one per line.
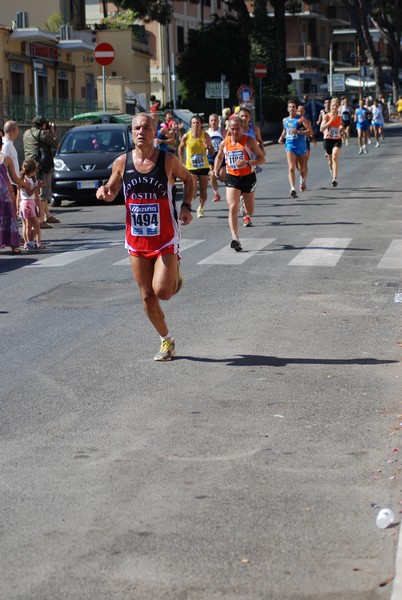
[
  {"x": 387, "y": 18},
  {"x": 360, "y": 17},
  {"x": 231, "y": 52},
  {"x": 257, "y": 38},
  {"x": 122, "y": 19},
  {"x": 54, "y": 22}
]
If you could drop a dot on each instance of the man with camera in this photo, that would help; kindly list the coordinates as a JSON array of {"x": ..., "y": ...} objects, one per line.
[{"x": 39, "y": 142}]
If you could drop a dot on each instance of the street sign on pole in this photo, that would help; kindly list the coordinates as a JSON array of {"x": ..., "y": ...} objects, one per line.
[
  {"x": 245, "y": 93},
  {"x": 260, "y": 71},
  {"x": 104, "y": 55},
  {"x": 338, "y": 82},
  {"x": 215, "y": 89}
]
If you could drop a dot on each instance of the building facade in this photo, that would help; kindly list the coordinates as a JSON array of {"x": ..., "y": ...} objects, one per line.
[
  {"x": 40, "y": 73},
  {"x": 166, "y": 42},
  {"x": 320, "y": 44}
]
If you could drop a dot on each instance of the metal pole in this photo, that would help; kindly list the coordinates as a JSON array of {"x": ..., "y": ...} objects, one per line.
[
  {"x": 36, "y": 91},
  {"x": 223, "y": 79},
  {"x": 174, "y": 82},
  {"x": 104, "y": 88},
  {"x": 261, "y": 111},
  {"x": 330, "y": 71}
]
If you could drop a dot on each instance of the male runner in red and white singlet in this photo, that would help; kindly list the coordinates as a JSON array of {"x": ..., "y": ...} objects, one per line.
[{"x": 148, "y": 175}]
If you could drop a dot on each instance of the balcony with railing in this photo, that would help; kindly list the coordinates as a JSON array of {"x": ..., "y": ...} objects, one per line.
[
  {"x": 140, "y": 41},
  {"x": 306, "y": 51}
]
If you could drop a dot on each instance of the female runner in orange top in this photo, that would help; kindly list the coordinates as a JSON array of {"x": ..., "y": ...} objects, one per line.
[{"x": 332, "y": 129}]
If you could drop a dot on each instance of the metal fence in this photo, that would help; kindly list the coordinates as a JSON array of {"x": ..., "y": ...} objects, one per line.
[{"x": 22, "y": 109}]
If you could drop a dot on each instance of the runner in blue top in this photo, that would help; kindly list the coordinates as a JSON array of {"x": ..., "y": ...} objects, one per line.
[
  {"x": 294, "y": 134},
  {"x": 362, "y": 127},
  {"x": 301, "y": 112},
  {"x": 249, "y": 128},
  {"x": 253, "y": 131}
]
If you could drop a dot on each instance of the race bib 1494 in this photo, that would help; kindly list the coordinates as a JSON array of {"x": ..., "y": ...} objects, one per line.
[{"x": 145, "y": 219}]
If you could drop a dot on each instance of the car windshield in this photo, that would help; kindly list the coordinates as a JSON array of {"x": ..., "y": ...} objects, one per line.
[{"x": 89, "y": 142}]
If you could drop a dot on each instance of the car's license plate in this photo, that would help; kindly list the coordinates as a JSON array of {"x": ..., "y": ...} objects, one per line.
[{"x": 87, "y": 185}]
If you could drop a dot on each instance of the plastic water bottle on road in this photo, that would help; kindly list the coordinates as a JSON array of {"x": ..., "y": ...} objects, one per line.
[{"x": 385, "y": 518}]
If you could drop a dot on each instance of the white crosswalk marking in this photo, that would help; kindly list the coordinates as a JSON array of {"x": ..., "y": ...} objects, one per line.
[
  {"x": 321, "y": 252},
  {"x": 65, "y": 258},
  {"x": 227, "y": 256},
  {"x": 184, "y": 245},
  {"x": 392, "y": 258}
]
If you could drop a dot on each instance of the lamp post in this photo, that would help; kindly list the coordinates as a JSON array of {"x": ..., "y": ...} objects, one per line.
[
  {"x": 174, "y": 82},
  {"x": 331, "y": 70},
  {"x": 358, "y": 67},
  {"x": 167, "y": 56}
]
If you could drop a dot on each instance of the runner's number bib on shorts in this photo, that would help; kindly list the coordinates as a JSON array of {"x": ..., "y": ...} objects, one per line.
[{"x": 145, "y": 219}]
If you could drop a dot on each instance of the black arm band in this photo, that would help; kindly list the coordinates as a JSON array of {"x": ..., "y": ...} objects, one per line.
[{"x": 186, "y": 205}]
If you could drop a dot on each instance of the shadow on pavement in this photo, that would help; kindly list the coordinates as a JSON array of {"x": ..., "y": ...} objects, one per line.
[{"x": 249, "y": 360}]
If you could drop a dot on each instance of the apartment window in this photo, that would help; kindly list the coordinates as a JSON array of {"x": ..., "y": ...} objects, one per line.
[
  {"x": 17, "y": 79},
  {"x": 323, "y": 37},
  {"x": 62, "y": 85},
  {"x": 180, "y": 39},
  {"x": 206, "y": 2}
]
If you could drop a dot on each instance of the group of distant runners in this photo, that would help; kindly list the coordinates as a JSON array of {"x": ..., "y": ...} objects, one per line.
[{"x": 335, "y": 121}]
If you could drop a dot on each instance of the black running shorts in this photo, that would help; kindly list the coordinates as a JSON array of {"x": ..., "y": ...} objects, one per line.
[
  {"x": 203, "y": 171},
  {"x": 330, "y": 144},
  {"x": 245, "y": 183}
]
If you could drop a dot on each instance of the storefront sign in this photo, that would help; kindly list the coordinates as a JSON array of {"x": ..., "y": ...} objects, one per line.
[{"x": 41, "y": 51}]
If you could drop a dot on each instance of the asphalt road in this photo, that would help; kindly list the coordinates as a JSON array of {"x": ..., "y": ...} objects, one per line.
[{"x": 248, "y": 467}]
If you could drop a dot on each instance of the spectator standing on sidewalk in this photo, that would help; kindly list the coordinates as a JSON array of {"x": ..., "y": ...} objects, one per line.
[
  {"x": 42, "y": 134},
  {"x": 11, "y": 132},
  {"x": 9, "y": 235}
]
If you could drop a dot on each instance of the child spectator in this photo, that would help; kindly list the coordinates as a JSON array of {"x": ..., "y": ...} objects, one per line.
[{"x": 29, "y": 207}]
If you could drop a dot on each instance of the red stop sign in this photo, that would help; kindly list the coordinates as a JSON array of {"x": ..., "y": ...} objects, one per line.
[
  {"x": 104, "y": 54},
  {"x": 260, "y": 71}
]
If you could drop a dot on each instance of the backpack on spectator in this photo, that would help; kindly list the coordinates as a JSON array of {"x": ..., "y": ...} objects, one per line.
[{"x": 43, "y": 158}]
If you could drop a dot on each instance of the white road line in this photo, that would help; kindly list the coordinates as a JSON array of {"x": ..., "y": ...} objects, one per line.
[
  {"x": 392, "y": 258},
  {"x": 64, "y": 258},
  {"x": 397, "y": 582},
  {"x": 227, "y": 256},
  {"x": 321, "y": 252},
  {"x": 184, "y": 245}
]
